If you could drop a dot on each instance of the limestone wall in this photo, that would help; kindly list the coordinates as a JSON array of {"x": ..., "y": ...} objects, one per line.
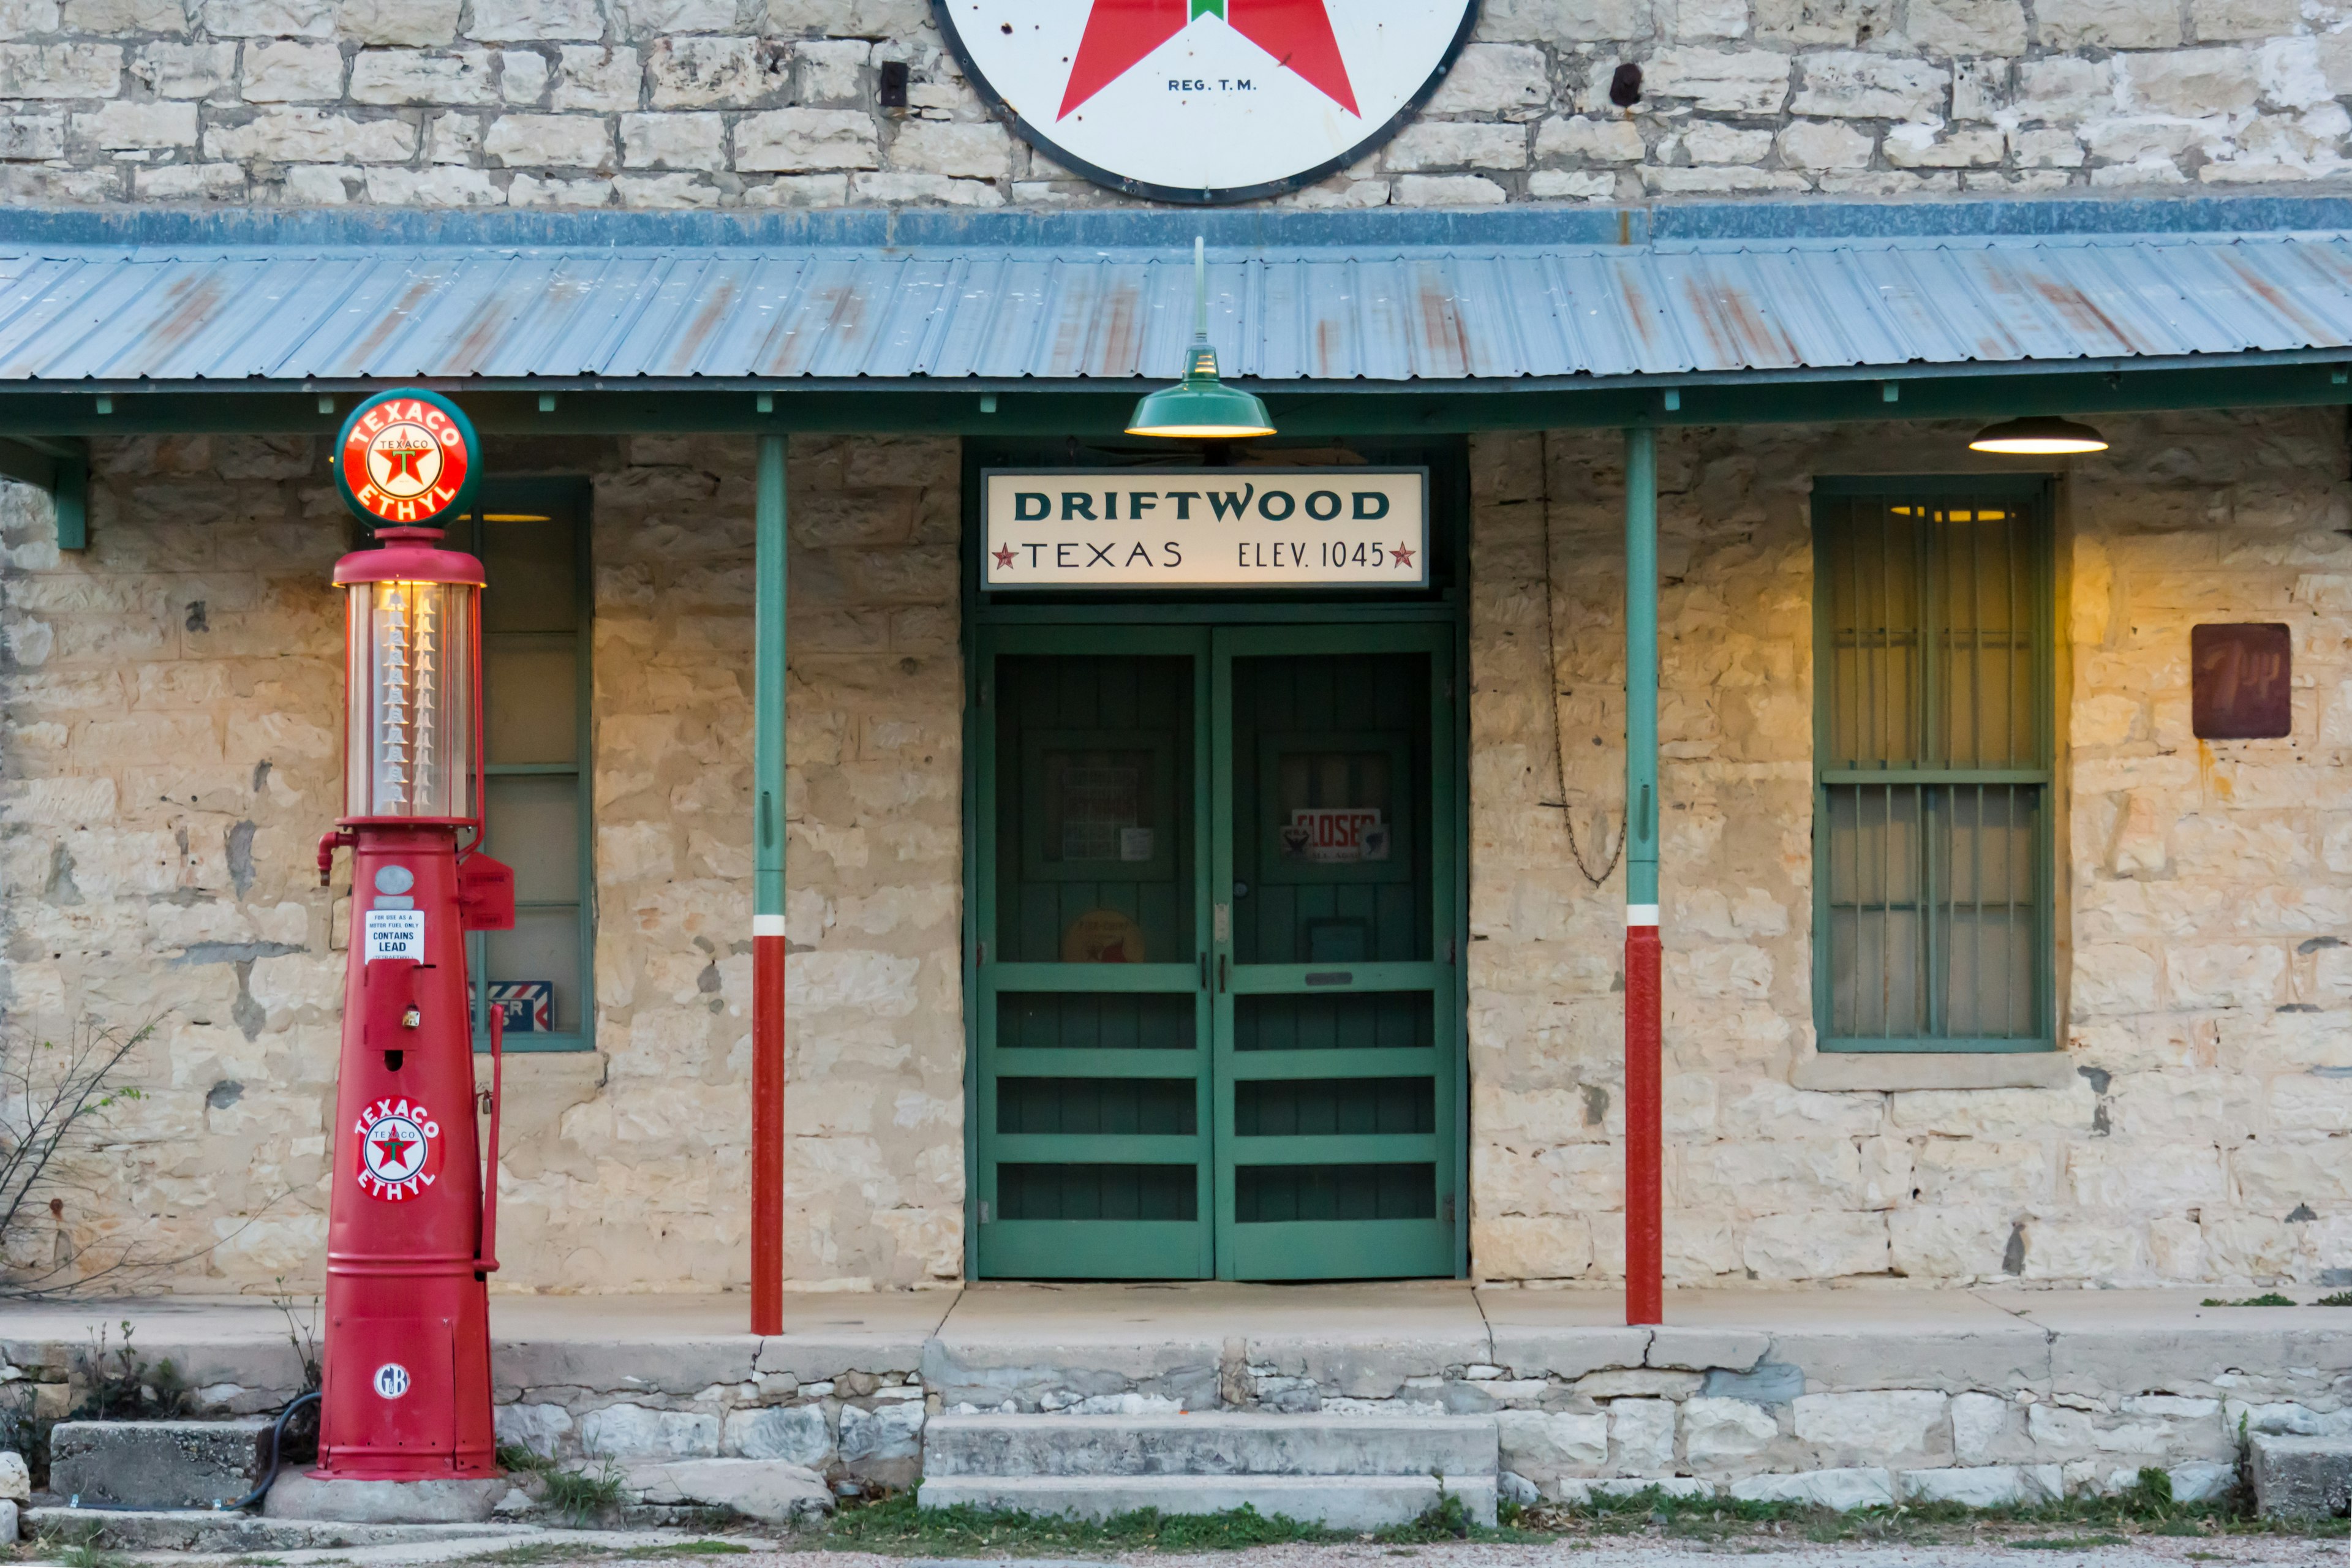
[
  {"x": 766, "y": 103},
  {"x": 170, "y": 753},
  {"x": 2203, "y": 1132}
]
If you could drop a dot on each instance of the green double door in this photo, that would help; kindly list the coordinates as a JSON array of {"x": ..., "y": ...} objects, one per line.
[{"x": 1216, "y": 1005}]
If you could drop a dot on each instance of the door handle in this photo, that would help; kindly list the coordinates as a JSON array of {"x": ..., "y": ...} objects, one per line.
[
  {"x": 1205, "y": 971},
  {"x": 1220, "y": 975}
]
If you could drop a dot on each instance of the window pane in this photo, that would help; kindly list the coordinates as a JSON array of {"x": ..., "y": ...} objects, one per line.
[
  {"x": 531, "y": 688},
  {"x": 1984, "y": 615},
  {"x": 1877, "y": 954},
  {"x": 531, "y": 573},
  {"x": 1873, "y": 679},
  {"x": 543, "y": 946},
  {"x": 534, "y": 825},
  {"x": 1986, "y": 928}
]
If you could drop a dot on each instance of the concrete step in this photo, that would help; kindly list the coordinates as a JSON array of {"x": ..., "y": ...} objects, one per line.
[
  {"x": 1340, "y": 1502},
  {"x": 210, "y": 1530},
  {"x": 1209, "y": 1445},
  {"x": 2302, "y": 1477},
  {"x": 158, "y": 1464}
]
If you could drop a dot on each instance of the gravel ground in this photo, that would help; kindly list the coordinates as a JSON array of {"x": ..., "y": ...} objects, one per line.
[{"x": 2229, "y": 1551}]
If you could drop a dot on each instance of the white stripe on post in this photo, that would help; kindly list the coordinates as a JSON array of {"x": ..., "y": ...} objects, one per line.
[{"x": 1641, "y": 914}]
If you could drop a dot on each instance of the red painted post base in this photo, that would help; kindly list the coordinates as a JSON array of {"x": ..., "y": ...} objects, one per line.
[
  {"x": 1645, "y": 1197},
  {"x": 768, "y": 1133}
]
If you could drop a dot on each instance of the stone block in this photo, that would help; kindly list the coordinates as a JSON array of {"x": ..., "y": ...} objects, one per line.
[
  {"x": 1509, "y": 80},
  {"x": 2302, "y": 1477},
  {"x": 592, "y": 77},
  {"x": 1642, "y": 1436},
  {"x": 270, "y": 18},
  {"x": 1967, "y": 26},
  {"x": 299, "y": 135},
  {"x": 2106, "y": 24},
  {"x": 788, "y": 140},
  {"x": 1720, "y": 81},
  {"x": 60, "y": 70},
  {"x": 1871, "y": 87},
  {"x": 773, "y": 1490},
  {"x": 125, "y": 124},
  {"x": 1603, "y": 139},
  {"x": 550, "y": 141},
  {"x": 959, "y": 149},
  {"x": 510, "y": 21},
  {"x": 15, "y": 1482},
  {"x": 799, "y": 1432},
  {"x": 295, "y": 1496},
  {"x": 636, "y": 1431},
  {"x": 701, "y": 72},
  {"x": 1984, "y": 1486},
  {"x": 1720, "y": 1432},
  {"x": 416, "y": 76},
  {"x": 1545, "y": 1445},
  {"x": 157, "y": 1464},
  {"x": 413, "y": 22},
  {"x": 290, "y": 72},
  {"x": 673, "y": 142},
  {"x": 1824, "y": 144},
  {"x": 892, "y": 1432},
  {"x": 1893, "y": 1425},
  {"x": 1453, "y": 143},
  {"x": 1843, "y": 1490}
]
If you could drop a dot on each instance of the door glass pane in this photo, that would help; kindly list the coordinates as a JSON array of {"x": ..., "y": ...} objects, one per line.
[
  {"x": 534, "y": 825},
  {"x": 1350, "y": 1021},
  {"x": 1098, "y": 1192},
  {"x": 1332, "y": 829},
  {"x": 1092, "y": 1105},
  {"x": 532, "y": 690},
  {"x": 1265, "y": 1194},
  {"x": 1095, "y": 857},
  {"x": 533, "y": 574},
  {"x": 1048, "y": 1021},
  {"x": 543, "y": 948},
  {"x": 1310, "y": 1108}
]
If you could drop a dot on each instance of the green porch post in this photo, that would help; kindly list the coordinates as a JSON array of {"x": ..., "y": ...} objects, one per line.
[
  {"x": 1645, "y": 1225},
  {"x": 768, "y": 896}
]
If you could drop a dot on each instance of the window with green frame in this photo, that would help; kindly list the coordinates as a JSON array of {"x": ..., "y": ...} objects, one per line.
[
  {"x": 1933, "y": 744},
  {"x": 531, "y": 537}
]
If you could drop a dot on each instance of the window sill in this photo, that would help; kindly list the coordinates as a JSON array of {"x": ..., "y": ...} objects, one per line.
[{"x": 1894, "y": 1071}]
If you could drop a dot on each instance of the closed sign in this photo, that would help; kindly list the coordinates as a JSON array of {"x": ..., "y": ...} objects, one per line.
[{"x": 1205, "y": 528}]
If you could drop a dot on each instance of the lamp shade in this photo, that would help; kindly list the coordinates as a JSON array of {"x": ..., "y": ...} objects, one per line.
[
  {"x": 2041, "y": 436},
  {"x": 1201, "y": 406}
]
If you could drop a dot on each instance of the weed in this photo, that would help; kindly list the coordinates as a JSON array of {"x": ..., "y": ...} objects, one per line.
[
  {"x": 121, "y": 1386},
  {"x": 86, "y": 1554},
  {"x": 580, "y": 1497},
  {"x": 2340, "y": 1299},
  {"x": 2267, "y": 1299},
  {"x": 1445, "y": 1520},
  {"x": 691, "y": 1549},
  {"x": 2066, "y": 1542}
]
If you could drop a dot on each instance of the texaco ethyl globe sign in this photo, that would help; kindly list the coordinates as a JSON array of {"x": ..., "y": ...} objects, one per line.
[
  {"x": 407, "y": 458},
  {"x": 1206, "y": 101}
]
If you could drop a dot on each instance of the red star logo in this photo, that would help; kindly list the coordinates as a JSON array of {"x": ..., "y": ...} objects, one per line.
[
  {"x": 1403, "y": 556},
  {"x": 1003, "y": 555},
  {"x": 393, "y": 1149},
  {"x": 1119, "y": 33}
]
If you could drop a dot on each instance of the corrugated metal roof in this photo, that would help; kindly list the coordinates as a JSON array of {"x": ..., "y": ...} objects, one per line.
[{"x": 192, "y": 313}]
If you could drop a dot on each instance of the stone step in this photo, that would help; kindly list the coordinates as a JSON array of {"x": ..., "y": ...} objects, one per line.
[
  {"x": 158, "y": 1464},
  {"x": 1340, "y": 1502},
  {"x": 209, "y": 1531},
  {"x": 2302, "y": 1477},
  {"x": 1210, "y": 1445}
]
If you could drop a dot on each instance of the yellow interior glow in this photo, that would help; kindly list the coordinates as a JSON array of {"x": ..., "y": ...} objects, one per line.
[
  {"x": 514, "y": 517},
  {"x": 1203, "y": 432},
  {"x": 2037, "y": 446}
]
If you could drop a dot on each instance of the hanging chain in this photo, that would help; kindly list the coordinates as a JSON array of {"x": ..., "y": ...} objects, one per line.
[{"x": 1553, "y": 693}]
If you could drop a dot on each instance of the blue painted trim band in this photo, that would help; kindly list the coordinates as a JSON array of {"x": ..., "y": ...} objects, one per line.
[{"x": 875, "y": 229}]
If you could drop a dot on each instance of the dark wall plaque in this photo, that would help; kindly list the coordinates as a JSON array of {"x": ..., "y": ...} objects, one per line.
[{"x": 2239, "y": 680}]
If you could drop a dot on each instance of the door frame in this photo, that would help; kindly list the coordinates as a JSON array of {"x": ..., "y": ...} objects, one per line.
[{"x": 1445, "y": 602}]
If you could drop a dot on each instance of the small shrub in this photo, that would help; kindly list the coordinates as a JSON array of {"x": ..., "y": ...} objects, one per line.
[
  {"x": 2340, "y": 1299},
  {"x": 2267, "y": 1299},
  {"x": 120, "y": 1385}
]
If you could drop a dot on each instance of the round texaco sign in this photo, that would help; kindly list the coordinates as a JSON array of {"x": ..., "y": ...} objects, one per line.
[
  {"x": 407, "y": 458},
  {"x": 1206, "y": 101},
  {"x": 399, "y": 1148}
]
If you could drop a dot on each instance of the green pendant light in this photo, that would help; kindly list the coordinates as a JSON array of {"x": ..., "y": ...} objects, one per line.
[{"x": 1200, "y": 406}]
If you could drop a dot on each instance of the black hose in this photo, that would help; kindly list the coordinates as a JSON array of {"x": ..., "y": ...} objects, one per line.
[{"x": 277, "y": 1453}]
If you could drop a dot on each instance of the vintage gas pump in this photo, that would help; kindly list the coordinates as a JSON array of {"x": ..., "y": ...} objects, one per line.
[{"x": 411, "y": 1215}]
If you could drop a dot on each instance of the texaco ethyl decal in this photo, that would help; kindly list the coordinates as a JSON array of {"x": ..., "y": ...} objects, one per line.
[
  {"x": 408, "y": 458},
  {"x": 400, "y": 1149},
  {"x": 1206, "y": 101}
]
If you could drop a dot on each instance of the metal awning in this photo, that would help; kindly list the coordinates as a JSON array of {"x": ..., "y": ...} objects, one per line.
[{"x": 242, "y": 317}]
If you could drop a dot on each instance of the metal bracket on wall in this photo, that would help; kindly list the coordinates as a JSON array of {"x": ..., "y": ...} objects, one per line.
[{"x": 60, "y": 465}]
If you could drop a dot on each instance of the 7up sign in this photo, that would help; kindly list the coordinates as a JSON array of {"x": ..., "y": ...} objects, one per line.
[{"x": 1206, "y": 101}]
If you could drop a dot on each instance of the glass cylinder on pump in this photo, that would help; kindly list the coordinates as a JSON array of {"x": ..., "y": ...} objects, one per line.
[{"x": 411, "y": 739}]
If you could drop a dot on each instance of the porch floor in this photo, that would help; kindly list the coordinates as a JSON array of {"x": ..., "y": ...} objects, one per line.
[{"x": 1411, "y": 1328}]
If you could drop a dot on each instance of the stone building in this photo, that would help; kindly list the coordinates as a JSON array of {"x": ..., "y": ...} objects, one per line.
[{"x": 2059, "y": 994}]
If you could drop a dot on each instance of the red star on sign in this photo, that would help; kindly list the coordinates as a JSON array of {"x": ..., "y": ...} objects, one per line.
[
  {"x": 393, "y": 1149},
  {"x": 1119, "y": 33},
  {"x": 1403, "y": 556},
  {"x": 1004, "y": 555}
]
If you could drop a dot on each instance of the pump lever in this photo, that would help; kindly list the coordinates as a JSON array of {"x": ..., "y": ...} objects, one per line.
[{"x": 328, "y": 844}]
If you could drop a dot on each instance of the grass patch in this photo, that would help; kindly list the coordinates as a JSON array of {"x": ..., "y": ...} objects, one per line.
[
  {"x": 895, "y": 1524},
  {"x": 690, "y": 1549},
  {"x": 2267, "y": 1299},
  {"x": 577, "y": 1497},
  {"x": 85, "y": 1554},
  {"x": 2064, "y": 1542}
]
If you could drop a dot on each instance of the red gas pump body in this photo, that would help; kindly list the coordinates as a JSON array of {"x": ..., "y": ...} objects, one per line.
[{"x": 410, "y": 1239}]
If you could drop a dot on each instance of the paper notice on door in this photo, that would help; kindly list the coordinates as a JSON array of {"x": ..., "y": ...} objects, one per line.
[
  {"x": 1135, "y": 844},
  {"x": 395, "y": 933},
  {"x": 1336, "y": 835}
]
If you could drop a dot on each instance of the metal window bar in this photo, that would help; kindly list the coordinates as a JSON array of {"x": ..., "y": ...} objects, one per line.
[{"x": 1917, "y": 947}]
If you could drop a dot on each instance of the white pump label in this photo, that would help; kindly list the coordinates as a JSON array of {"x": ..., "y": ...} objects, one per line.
[{"x": 395, "y": 933}]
